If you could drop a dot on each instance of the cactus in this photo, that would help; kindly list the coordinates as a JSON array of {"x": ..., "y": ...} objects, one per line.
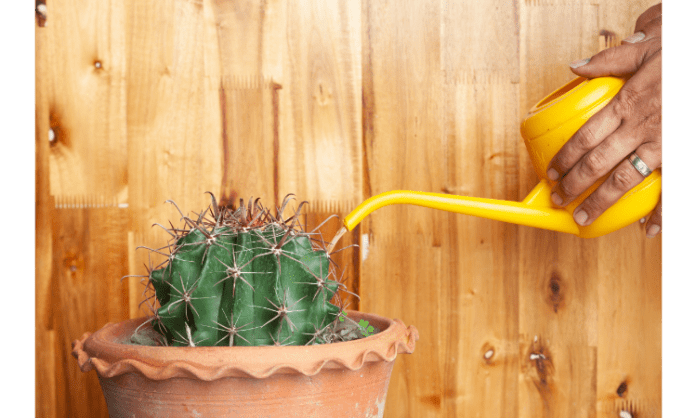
[{"x": 243, "y": 277}]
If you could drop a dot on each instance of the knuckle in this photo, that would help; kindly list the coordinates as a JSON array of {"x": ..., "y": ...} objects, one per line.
[
  {"x": 593, "y": 164},
  {"x": 585, "y": 138},
  {"x": 567, "y": 189},
  {"x": 622, "y": 179},
  {"x": 563, "y": 163},
  {"x": 654, "y": 119},
  {"x": 592, "y": 206},
  {"x": 625, "y": 102},
  {"x": 606, "y": 56},
  {"x": 655, "y": 149}
]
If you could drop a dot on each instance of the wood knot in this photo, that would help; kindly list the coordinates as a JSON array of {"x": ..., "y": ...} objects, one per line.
[
  {"x": 74, "y": 265},
  {"x": 57, "y": 133},
  {"x": 555, "y": 292},
  {"x": 621, "y": 390},
  {"x": 432, "y": 400},
  {"x": 323, "y": 95},
  {"x": 541, "y": 359},
  {"x": 41, "y": 13},
  {"x": 488, "y": 353}
]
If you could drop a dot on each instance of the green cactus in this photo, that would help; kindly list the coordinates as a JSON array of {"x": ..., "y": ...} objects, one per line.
[{"x": 241, "y": 276}]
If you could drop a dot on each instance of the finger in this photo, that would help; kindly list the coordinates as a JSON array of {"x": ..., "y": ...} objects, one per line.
[
  {"x": 595, "y": 164},
  {"x": 591, "y": 134},
  {"x": 654, "y": 225},
  {"x": 651, "y": 31},
  {"x": 618, "y": 61},
  {"x": 640, "y": 95},
  {"x": 624, "y": 177},
  {"x": 648, "y": 16}
]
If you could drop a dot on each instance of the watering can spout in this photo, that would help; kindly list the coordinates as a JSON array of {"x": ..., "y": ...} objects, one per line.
[{"x": 520, "y": 213}]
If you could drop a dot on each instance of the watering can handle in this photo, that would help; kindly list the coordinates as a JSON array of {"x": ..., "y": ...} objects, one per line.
[{"x": 535, "y": 210}]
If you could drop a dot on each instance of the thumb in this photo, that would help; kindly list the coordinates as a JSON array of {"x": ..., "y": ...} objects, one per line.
[{"x": 617, "y": 61}]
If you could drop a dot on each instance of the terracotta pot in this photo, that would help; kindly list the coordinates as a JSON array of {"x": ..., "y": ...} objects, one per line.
[{"x": 346, "y": 379}]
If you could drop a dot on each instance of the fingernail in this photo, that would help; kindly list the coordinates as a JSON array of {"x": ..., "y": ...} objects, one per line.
[
  {"x": 653, "y": 230},
  {"x": 579, "y": 63},
  {"x": 556, "y": 199},
  {"x": 580, "y": 217},
  {"x": 642, "y": 220},
  {"x": 552, "y": 174},
  {"x": 636, "y": 37}
]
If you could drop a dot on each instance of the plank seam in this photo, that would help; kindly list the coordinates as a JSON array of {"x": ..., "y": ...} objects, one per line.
[
  {"x": 477, "y": 77},
  {"x": 560, "y": 2},
  {"x": 248, "y": 82},
  {"x": 87, "y": 202}
]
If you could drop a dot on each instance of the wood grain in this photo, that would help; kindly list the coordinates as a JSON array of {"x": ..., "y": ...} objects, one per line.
[
  {"x": 89, "y": 256},
  {"x": 320, "y": 148},
  {"x": 47, "y": 387},
  {"x": 480, "y": 278},
  {"x": 558, "y": 273},
  {"x": 85, "y": 89},
  {"x": 629, "y": 352},
  {"x": 404, "y": 266},
  {"x": 336, "y": 101}
]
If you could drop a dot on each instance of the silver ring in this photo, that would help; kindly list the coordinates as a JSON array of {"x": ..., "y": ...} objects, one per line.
[{"x": 639, "y": 164}]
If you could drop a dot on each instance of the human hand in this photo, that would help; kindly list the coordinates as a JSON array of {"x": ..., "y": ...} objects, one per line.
[{"x": 631, "y": 124}]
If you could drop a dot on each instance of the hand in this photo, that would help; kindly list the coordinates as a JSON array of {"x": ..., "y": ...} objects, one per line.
[{"x": 631, "y": 122}]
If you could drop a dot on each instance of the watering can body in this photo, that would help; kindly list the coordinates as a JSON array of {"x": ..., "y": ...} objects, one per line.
[
  {"x": 551, "y": 123},
  {"x": 547, "y": 126}
]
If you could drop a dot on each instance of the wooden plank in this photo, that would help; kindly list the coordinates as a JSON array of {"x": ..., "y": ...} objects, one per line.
[
  {"x": 558, "y": 272},
  {"x": 174, "y": 115},
  {"x": 558, "y": 317},
  {"x": 403, "y": 83},
  {"x": 89, "y": 258},
  {"x": 250, "y": 66},
  {"x": 480, "y": 40},
  {"x": 629, "y": 353},
  {"x": 250, "y": 38},
  {"x": 46, "y": 386},
  {"x": 85, "y": 84},
  {"x": 479, "y": 294},
  {"x": 402, "y": 276},
  {"x": 249, "y": 141},
  {"x": 320, "y": 144}
]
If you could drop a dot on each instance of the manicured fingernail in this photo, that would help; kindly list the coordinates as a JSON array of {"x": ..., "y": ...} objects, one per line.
[
  {"x": 653, "y": 230},
  {"x": 636, "y": 37},
  {"x": 579, "y": 63},
  {"x": 642, "y": 220},
  {"x": 556, "y": 199},
  {"x": 580, "y": 217},
  {"x": 552, "y": 174}
]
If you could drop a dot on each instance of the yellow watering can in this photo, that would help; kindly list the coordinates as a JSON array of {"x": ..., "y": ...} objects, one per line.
[{"x": 547, "y": 126}]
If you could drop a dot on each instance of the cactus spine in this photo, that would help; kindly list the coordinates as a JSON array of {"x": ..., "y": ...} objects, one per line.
[{"x": 241, "y": 276}]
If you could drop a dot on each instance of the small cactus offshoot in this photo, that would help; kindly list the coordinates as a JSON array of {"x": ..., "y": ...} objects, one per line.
[{"x": 243, "y": 276}]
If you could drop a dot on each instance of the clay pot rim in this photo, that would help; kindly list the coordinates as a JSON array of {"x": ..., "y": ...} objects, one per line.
[{"x": 100, "y": 351}]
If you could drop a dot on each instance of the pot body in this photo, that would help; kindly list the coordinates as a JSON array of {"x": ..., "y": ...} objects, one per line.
[
  {"x": 347, "y": 379},
  {"x": 330, "y": 393}
]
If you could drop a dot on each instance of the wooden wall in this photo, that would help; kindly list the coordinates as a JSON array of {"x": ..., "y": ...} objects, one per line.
[{"x": 140, "y": 101}]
